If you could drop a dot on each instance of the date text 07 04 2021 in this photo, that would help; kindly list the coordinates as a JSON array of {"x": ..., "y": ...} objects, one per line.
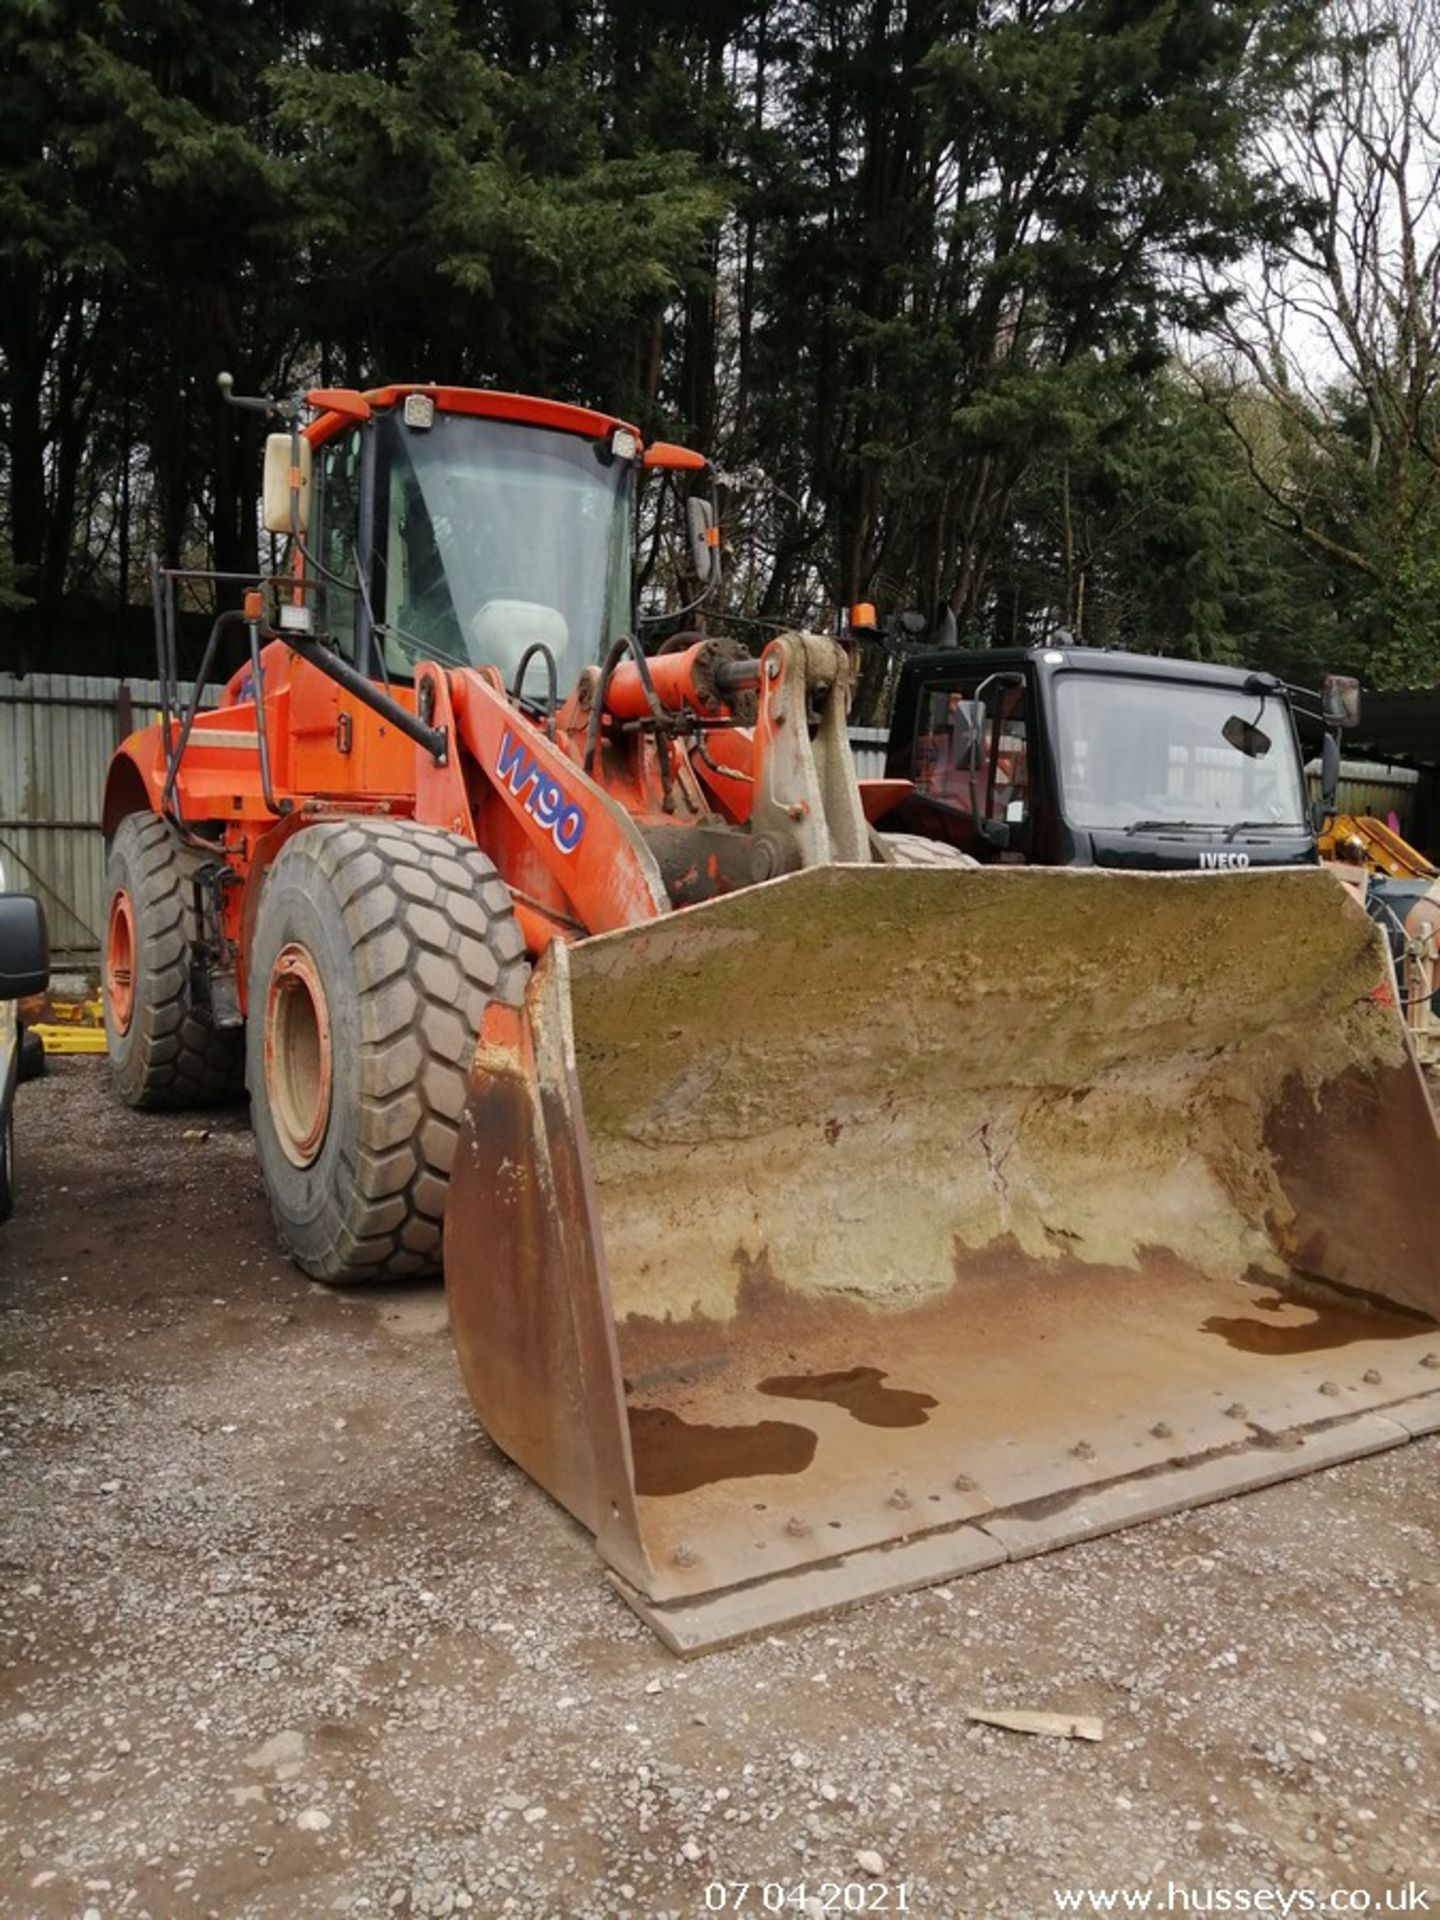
[{"x": 807, "y": 1897}]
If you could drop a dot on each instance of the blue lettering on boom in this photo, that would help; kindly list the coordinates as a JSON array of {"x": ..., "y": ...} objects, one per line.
[{"x": 544, "y": 799}]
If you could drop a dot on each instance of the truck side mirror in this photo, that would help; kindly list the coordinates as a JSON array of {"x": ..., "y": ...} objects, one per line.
[
  {"x": 704, "y": 540},
  {"x": 1340, "y": 700},
  {"x": 967, "y": 734},
  {"x": 278, "y": 450},
  {"x": 24, "y": 947}
]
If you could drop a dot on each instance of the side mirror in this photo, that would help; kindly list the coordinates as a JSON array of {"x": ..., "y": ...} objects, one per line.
[
  {"x": 672, "y": 459},
  {"x": 278, "y": 481},
  {"x": 1340, "y": 700},
  {"x": 1329, "y": 773},
  {"x": 342, "y": 400},
  {"x": 704, "y": 540},
  {"x": 24, "y": 947},
  {"x": 967, "y": 733}
]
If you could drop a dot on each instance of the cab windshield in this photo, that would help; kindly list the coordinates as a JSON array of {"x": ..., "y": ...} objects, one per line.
[
  {"x": 491, "y": 536},
  {"x": 1135, "y": 751}
]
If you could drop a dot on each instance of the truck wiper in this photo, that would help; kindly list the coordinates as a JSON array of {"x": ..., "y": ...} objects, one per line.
[
  {"x": 1264, "y": 826},
  {"x": 1170, "y": 826}
]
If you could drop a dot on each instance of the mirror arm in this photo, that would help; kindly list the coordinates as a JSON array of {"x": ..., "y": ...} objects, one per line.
[{"x": 1330, "y": 760}]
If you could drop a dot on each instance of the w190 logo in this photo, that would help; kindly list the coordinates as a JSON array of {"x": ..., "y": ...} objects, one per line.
[{"x": 543, "y": 798}]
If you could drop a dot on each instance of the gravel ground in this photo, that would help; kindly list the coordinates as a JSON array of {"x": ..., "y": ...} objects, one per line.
[{"x": 283, "y": 1635}]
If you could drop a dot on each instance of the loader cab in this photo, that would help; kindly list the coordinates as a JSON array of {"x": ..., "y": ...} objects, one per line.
[
  {"x": 468, "y": 527},
  {"x": 1076, "y": 756}
]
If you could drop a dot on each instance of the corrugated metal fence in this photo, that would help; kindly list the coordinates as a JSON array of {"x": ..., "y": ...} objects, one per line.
[
  {"x": 57, "y": 732},
  {"x": 1367, "y": 786},
  {"x": 868, "y": 746}
]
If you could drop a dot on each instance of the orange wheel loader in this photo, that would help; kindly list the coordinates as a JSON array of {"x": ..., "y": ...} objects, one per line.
[{"x": 821, "y": 1215}]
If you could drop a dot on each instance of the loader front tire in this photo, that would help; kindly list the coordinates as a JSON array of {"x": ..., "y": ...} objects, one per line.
[
  {"x": 164, "y": 1052},
  {"x": 378, "y": 945}
]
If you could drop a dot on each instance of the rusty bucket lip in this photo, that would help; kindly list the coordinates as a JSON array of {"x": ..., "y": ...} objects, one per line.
[
  {"x": 120, "y": 950},
  {"x": 715, "y": 1617},
  {"x": 301, "y": 1115}
]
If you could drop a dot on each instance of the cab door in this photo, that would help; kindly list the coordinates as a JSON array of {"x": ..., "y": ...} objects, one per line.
[{"x": 972, "y": 764}]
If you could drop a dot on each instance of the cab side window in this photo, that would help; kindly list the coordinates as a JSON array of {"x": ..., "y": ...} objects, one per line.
[
  {"x": 338, "y": 510},
  {"x": 972, "y": 750},
  {"x": 950, "y": 760},
  {"x": 1009, "y": 795}
]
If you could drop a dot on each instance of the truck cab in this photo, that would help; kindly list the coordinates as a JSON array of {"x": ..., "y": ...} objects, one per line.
[{"x": 1077, "y": 757}]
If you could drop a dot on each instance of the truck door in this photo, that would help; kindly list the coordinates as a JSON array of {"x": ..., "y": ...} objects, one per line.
[{"x": 971, "y": 763}]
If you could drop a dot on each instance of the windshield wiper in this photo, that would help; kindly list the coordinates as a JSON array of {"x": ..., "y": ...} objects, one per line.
[
  {"x": 1264, "y": 826},
  {"x": 1170, "y": 826}
]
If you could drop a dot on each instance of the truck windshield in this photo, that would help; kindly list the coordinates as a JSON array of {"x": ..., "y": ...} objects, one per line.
[
  {"x": 490, "y": 536},
  {"x": 1131, "y": 749}
]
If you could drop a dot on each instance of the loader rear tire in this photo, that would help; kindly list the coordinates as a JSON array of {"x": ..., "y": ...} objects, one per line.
[
  {"x": 164, "y": 1052},
  {"x": 378, "y": 945},
  {"x": 914, "y": 850}
]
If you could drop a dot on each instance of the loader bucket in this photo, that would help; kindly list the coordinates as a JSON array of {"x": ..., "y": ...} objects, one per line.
[{"x": 876, "y": 1224}]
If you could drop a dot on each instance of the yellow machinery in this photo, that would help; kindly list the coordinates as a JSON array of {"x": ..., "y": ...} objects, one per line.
[
  {"x": 1384, "y": 850},
  {"x": 1402, "y": 891},
  {"x": 69, "y": 1024}
]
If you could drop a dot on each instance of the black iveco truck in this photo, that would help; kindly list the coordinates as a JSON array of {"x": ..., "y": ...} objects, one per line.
[{"x": 1073, "y": 756}]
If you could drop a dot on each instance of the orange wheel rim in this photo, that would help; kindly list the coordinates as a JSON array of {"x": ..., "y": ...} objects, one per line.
[
  {"x": 120, "y": 962},
  {"x": 297, "y": 1054}
]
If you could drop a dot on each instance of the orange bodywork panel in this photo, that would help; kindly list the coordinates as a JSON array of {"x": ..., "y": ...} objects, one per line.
[
  {"x": 520, "y": 407},
  {"x": 322, "y": 742},
  {"x": 879, "y": 797}
]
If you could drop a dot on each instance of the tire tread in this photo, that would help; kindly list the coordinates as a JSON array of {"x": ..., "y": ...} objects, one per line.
[
  {"x": 915, "y": 850},
  {"x": 424, "y": 981}
]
